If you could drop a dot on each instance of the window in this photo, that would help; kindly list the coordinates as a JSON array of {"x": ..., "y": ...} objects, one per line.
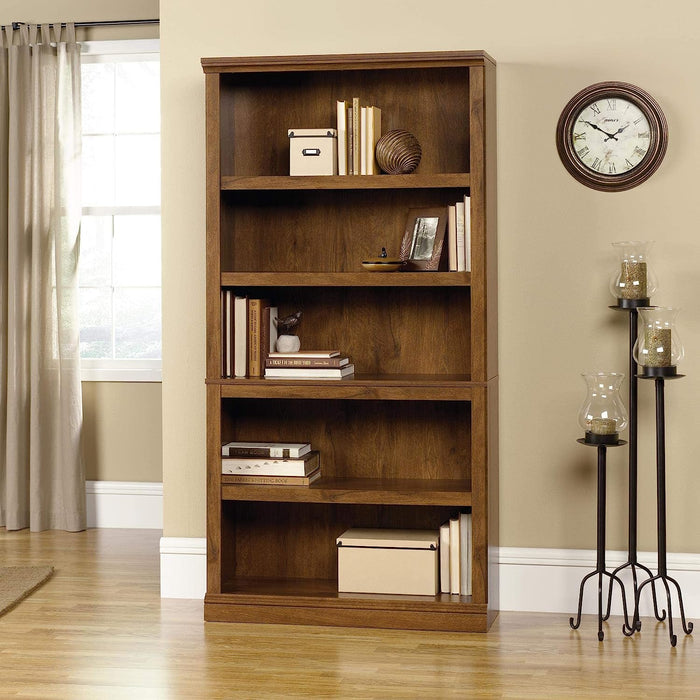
[{"x": 120, "y": 275}]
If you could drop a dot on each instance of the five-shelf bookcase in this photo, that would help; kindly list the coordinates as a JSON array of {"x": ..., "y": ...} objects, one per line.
[{"x": 413, "y": 437}]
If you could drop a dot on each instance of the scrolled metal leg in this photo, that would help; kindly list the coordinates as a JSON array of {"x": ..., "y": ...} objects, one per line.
[
  {"x": 577, "y": 624},
  {"x": 687, "y": 627}
]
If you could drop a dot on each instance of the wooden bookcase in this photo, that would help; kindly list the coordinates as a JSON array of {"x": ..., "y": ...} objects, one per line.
[{"x": 413, "y": 437}]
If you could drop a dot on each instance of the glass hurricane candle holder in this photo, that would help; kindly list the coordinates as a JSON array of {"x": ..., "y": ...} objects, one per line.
[
  {"x": 634, "y": 281},
  {"x": 603, "y": 415},
  {"x": 658, "y": 348}
]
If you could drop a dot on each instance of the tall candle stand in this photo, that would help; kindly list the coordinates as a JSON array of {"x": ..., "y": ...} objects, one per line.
[
  {"x": 657, "y": 350},
  {"x": 600, "y": 569},
  {"x": 631, "y": 306}
]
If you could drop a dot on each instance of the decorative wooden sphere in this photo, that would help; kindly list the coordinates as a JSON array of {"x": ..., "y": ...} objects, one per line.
[{"x": 398, "y": 152}]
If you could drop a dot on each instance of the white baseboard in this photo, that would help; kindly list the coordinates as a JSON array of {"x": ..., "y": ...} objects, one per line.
[
  {"x": 532, "y": 580},
  {"x": 183, "y": 567},
  {"x": 127, "y": 504},
  {"x": 548, "y": 580}
]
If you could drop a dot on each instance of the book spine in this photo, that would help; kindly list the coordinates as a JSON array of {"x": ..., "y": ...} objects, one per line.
[
  {"x": 356, "y": 139},
  {"x": 254, "y": 319},
  {"x": 349, "y": 125},
  {"x": 265, "y": 325},
  {"x": 454, "y": 555},
  {"x": 310, "y": 372},
  {"x": 461, "y": 258},
  {"x": 467, "y": 233},
  {"x": 270, "y": 467},
  {"x": 363, "y": 140},
  {"x": 240, "y": 360},
  {"x": 274, "y": 480},
  {"x": 445, "y": 558},
  {"x": 452, "y": 237},
  {"x": 279, "y": 453},
  {"x": 464, "y": 553},
  {"x": 305, "y": 362},
  {"x": 341, "y": 111}
]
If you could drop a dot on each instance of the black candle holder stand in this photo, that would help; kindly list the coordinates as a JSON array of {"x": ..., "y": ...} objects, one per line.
[
  {"x": 659, "y": 375},
  {"x": 631, "y": 305},
  {"x": 602, "y": 443}
]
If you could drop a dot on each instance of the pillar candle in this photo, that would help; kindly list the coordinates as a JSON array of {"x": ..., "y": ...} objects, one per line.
[{"x": 633, "y": 280}]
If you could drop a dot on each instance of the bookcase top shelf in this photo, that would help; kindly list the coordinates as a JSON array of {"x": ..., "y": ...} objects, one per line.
[
  {"x": 345, "y": 182},
  {"x": 345, "y": 279},
  {"x": 386, "y": 387},
  {"x": 416, "y": 492}
]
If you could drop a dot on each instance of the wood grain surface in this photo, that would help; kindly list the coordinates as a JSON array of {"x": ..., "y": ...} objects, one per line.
[{"x": 98, "y": 629}]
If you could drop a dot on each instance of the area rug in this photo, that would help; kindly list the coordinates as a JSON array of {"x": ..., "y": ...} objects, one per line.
[{"x": 17, "y": 582}]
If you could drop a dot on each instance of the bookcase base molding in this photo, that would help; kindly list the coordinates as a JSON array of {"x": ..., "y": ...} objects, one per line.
[{"x": 345, "y": 610}]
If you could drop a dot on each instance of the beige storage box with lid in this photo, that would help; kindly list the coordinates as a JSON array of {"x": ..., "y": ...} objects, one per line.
[
  {"x": 388, "y": 561},
  {"x": 313, "y": 151}
]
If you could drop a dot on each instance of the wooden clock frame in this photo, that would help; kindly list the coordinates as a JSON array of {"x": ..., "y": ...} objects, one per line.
[{"x": 657, "y": 143}]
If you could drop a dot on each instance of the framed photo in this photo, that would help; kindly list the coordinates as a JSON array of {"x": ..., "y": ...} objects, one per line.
[{"x": 421, "y": 247}]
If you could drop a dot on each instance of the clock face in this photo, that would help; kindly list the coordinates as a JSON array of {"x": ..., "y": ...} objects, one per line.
[{"x": 611, "y": 135}]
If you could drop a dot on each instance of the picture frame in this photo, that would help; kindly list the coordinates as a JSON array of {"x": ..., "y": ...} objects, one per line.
[{"x": 423, "y": 239}]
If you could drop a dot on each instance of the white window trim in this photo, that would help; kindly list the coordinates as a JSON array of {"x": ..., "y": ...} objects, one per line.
[
  {"x": 95, "y": 370},
  {"x": 110, "y": 370}
]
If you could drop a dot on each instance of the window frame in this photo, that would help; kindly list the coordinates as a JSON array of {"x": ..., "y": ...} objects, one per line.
[{"x": 109, "y": 369}]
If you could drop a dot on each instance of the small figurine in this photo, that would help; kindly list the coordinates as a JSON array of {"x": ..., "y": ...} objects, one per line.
[
  {"x": 287, "y": 340},
  {"x": 383, "y": 253}
]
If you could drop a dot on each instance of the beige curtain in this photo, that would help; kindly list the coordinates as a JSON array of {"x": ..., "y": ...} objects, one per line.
[{"x": 42, "y": 481}]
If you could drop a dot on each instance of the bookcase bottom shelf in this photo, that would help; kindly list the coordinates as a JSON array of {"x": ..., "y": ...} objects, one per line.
[{"x": 315, "y": 602}]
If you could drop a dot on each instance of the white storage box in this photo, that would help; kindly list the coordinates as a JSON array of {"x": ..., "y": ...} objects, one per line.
[
  {"x": 388, "y": 561},
  {"x": 313, "y": 151}
]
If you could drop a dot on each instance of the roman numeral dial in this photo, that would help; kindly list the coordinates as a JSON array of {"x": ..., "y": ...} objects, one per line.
[{"x": 616, "y": 134}]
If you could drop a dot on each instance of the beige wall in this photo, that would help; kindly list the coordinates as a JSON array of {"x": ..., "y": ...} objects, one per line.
[
  {"x": 122, "y": 437},
  {"x": 554, "y": 236}
]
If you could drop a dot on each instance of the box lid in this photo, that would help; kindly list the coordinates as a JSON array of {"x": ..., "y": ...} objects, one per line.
[
  {"x": 309, "y": 133},
  {"x": 389, "y": 538}
]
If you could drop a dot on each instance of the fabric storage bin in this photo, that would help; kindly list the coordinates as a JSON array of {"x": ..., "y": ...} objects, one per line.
[
  {"x": 388, "y": 561},
  {"x": 313, "y": 151}
]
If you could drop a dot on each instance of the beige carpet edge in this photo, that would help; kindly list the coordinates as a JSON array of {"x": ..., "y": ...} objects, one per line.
[{"x": 18, "y": 582}]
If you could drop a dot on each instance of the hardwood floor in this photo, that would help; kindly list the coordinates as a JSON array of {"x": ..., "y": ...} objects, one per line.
[{"x": 98, "y": 629}]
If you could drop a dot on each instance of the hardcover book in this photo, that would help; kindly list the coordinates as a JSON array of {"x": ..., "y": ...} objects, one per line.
[
  {"x": 291, "y": 362},
  {"x": 279, "y": 450},
  {"x": 309, "y": 372},
  {"x": 267, "y": 466},
  {"x": 274, "y": 480}
]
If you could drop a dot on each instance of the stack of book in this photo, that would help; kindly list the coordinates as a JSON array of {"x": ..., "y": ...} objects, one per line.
[
  {"x": 359, "y": 129},
  {"x": 456, "y": 555},
  {"x": 248, "y": 335},
  {"x": 459, "y": 236},
  {"x": 270, "y": 463},
  {"x": 308, "y": 364}
]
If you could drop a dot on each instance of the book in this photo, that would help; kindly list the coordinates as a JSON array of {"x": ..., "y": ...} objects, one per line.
[
  {"x": 452, "y": 237},
  {"x": 255, "y": 336},
  {"x": 268, "y": 334},
  {"x": 284, "y": 450},
  {"x": 465, "y": 550},
  {"x": 351, "y": 139},
  {"x": 454, "y": 554},
  {"x": 374, "y": 131},
  {"x": 307, "y": 353},
  {"x": 445, "y": 557},
  {"x": 309, "y": 372},
  {"x": 341, "y": 126},
  {"x": 225, "y": 332},
  {"x": 274, "y": 480},
  {"x": 240, "y": 336},
  {"x": 363, "y": 140},
  {"x": 461, "y": 256},
  {"x": 291, "y": 362},
  {"x": 268, "y": 466},
  {"x": 467, "y": 234},
  {"x": 356, "y": 116}
]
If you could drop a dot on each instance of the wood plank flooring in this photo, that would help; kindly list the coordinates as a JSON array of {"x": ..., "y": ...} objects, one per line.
[{"x": 99, "y": 630}]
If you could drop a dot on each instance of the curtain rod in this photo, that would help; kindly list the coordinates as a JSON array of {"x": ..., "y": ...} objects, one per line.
[{"x": 103, "y": 23}]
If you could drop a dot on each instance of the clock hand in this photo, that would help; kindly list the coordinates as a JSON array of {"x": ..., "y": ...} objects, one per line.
[
  {"x": 621, "y": 129},
  {"x": 595, "y": 126}
]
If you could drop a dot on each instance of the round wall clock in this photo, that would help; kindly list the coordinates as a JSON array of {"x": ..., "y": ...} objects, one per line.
[{"x": 612, "y": 136}]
